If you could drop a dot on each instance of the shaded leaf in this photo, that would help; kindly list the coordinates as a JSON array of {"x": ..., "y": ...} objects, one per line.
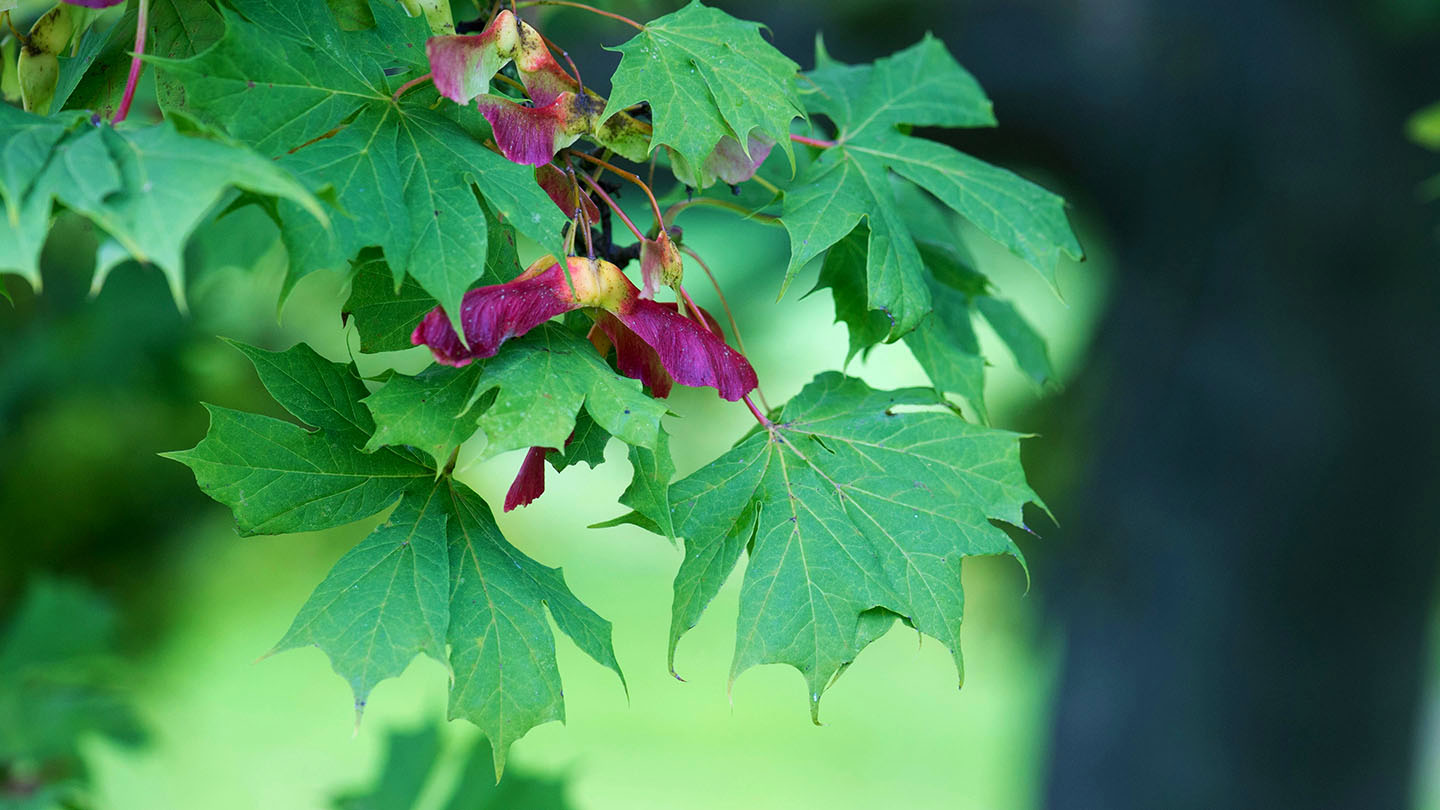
[
  {"x": 279, "y": 478},
  {"x": 316, "y": 391},
  {"x": 586, "y": 444},
  {"x": 383, "y": 316},
  {"x": 873, "y": 106},
  {"x": 543, "y": 379},
  {"x": 427, "y": 411}
]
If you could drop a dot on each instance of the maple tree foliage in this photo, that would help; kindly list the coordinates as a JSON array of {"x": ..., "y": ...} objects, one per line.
[{"x": 421, "y": 163}]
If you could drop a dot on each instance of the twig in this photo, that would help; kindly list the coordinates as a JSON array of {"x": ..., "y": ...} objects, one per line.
[
  {"x": 675, "y": 210},
  {"x": 730, "y": 316},
  {"x": 528, "y": 3},
  {"x": 400, "y": 91},
  {"x": 659, "y": 218},
  {"x": 613, "y": 205},
  {"x": 551, "y": 45},
  {"x": 142, "y": 22},
  {"x": 823, "y": 144}
]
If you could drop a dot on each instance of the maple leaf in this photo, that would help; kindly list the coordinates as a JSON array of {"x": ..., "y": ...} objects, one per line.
[
  {"x": 871, "y": 105},
  {"x": 383, "y": 316},
  {"x": 147, "y": 188},
  {"x": 705, "y": 72},
  {"x": 386, "y": 601},
  {"x": 856, "y": 507},
  {"x": 288, "y": 81},
  {"x": 437, "y": 577},
  {"x": 944, "y": 343}
]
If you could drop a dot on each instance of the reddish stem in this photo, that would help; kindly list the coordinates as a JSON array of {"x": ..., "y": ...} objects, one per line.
[
  {"x": 655, "y": 206},
  {"x": 142, "y": 17},
  {"x": 759, "y": 417},
  {"x": 734, "y": 328},
  {"x": 637, "y": 26},
  {"x": 566, "y": 54},
  {"x": 730, "y": 316},
  {"x": 613, "y": 205},
  {"x": 692, "y": 310},
  {"x": 823, "y": 144},
  {"x": 581, "y": 214},
  {"x": 400, "y": 91}
]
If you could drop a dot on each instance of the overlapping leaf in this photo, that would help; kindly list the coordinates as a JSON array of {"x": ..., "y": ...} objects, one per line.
[
  {"x": 540, "y": 382},
  {"x": 872, "y": 105},
  {"x": 945, "y": 343},
  {"x": 437, "y": 577},
  {"x": 288, "y": 81},
  {"x": 857, "y": 508},
  {"x": 146, "y": 187},
  {"x": 706, "y": 75}
]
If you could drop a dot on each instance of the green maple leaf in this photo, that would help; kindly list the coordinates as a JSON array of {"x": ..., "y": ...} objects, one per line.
[
  {"x": 944, "y": 343},
  {"x": 437, "y": 577},
  {"x": 384, "y": 317},
  {"x": 873, "y": 106},
  {"x": 318, "y": 392},
  {"x": 856, "y": 508},
  {"x": 148, "y": 188},
  {"x": 539, "y": 383},
  {"x": 426, "y": 411},
  {"x": 386, "y": 601},
  {"x": 286, "y": 80},
  {"x": 706, "y": 74},
  {"x": 26, "y": 146},
  {"x": 502, "y": 650},
  {"x": 586, "y": 443}
]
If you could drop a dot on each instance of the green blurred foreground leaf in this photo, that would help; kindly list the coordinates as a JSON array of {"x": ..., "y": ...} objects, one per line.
[
  {"x": 58, "y": 683},
  {"x": 147, "y": 188}
]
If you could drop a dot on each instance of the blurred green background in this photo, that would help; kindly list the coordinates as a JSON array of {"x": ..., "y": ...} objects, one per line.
[{"x": 1237, "y": 610}]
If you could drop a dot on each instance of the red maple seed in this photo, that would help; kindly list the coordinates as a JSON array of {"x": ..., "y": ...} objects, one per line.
[{"x": 644, "y": 332}]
